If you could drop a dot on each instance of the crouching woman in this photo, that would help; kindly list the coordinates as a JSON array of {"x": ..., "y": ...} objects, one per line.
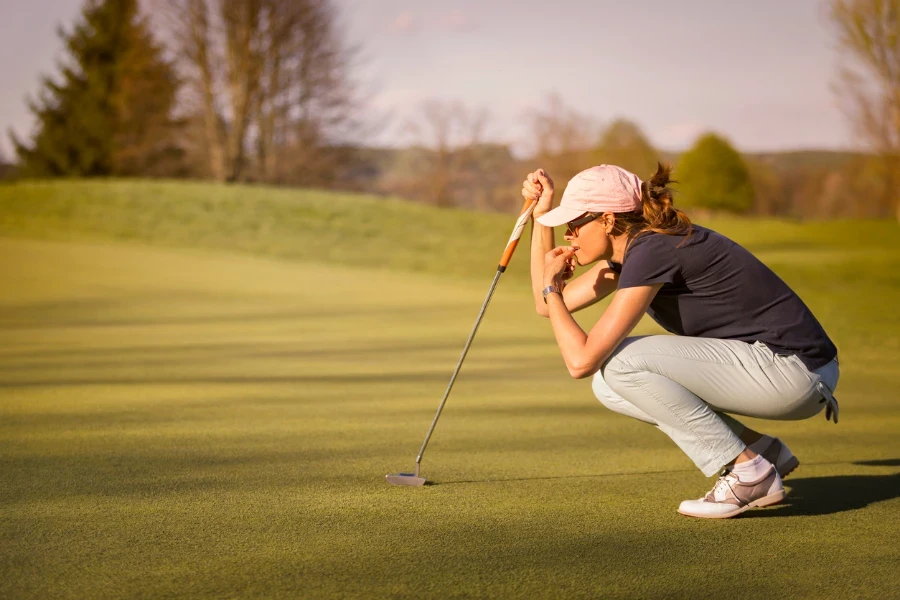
[{"x": 742, "y": 343}]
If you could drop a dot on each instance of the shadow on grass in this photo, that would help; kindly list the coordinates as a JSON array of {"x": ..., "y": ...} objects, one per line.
[
  {"x": 830, "y": 495},
  {"x": 562, "y": 477},
  {"x": 98, "y": 313},
  {"x": 49, "y": 361},
  {"x": 390, "y": 377},
  {"x": 806, "y": 497},
  {"x": 886, "y": 462}
]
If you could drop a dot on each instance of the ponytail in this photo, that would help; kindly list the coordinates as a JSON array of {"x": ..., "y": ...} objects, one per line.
[{"x": 658, "y": 214}]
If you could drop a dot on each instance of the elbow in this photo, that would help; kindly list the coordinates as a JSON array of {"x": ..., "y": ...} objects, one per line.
[{"x": 581, "y": 371}]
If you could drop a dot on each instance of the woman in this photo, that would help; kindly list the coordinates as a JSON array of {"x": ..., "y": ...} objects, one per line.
[{"x": 744, "y": 343}]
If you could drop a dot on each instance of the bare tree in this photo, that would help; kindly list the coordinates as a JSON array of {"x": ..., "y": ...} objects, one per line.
[
  {"x": 308, "y": 105},
  {"x": 271, "y": 81},
  {"x": 869, "y": 31},
  {"x": 562, "y": 139},
  {"x": 451, "y": 135}
]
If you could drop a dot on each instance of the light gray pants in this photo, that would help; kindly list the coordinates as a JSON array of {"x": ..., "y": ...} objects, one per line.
[{"x": 684, "y": 385}]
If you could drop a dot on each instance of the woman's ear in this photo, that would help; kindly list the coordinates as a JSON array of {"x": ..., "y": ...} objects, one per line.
[{"x": 609, "y": 222}]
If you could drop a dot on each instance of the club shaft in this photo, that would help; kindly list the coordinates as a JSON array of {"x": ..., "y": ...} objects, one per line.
[{"x": 462, "y": 357}]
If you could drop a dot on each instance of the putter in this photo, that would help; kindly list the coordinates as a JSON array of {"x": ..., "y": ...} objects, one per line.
[{"x": 413, "y": 478}]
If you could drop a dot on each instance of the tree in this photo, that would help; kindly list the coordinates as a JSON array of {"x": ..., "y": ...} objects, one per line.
[
  {"x": 869, "y": 33},
  {"x": 110, "y": 111},
  {"x": 769, "y": 197},
  {"x": 450, "y": 134},
  {"x": 623, "y": 144},
  {"x": 270, "y": 81},
  {"x": 563, "y": 139},
  {"x": 713, "y": 176},
  {"x": 7, "y": 170}
]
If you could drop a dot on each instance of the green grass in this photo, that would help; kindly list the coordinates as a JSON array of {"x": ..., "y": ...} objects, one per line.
[{"x": 202, "y": 387}]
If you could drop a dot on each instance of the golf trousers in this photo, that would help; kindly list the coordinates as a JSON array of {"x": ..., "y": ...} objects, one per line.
[{"x": 685, "y": 386}]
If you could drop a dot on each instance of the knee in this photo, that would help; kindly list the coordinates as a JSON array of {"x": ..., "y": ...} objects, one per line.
[
  {"x": 605, "y": 394},
  {"x": 618, "y": 368},
  {"x": 617, "y": 373}
]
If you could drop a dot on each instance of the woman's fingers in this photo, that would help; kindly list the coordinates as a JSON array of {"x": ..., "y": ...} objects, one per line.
[
  {"x": 543, "y": 180},
  {"x": 567, "y": 251},
  {"x": 559, "y": 265},
  {"x": 569, "y": 270},
  {"x": 558, "y": 251},
  {"x": 530, "y": 194},
  {"x": 559, "y": 259}
]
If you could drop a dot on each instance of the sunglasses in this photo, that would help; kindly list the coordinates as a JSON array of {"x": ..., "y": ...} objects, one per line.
[{"x": 574, "y": 225}]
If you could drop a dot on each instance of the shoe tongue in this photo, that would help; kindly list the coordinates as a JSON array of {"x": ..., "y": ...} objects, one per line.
[{"x": 724, "y": 477}]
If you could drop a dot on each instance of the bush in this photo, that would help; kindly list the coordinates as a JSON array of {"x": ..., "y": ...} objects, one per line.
[{"x": 713, "y": 176}]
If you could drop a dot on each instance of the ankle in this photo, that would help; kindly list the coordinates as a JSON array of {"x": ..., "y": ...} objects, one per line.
[
  {"x": 752, "y": 469},
  {"x": 746, "y": 455}
]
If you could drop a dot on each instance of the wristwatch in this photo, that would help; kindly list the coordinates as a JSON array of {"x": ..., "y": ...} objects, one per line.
[{"x": 550, "y": 289}]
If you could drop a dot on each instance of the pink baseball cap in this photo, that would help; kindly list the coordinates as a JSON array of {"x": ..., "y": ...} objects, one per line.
[{"x": 605, "y": 188}]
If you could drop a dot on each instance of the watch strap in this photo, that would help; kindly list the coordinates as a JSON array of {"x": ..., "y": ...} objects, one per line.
[{"x": 550, "y": 289}]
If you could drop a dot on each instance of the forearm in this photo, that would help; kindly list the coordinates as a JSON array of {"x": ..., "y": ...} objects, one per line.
[
  {"x": 570, "y": 337},
  {"x": 541, "y": 244},
  {"x": 584, "y": 354}
]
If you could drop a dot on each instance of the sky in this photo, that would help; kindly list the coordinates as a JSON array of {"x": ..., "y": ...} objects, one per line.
[{"x": 761, "y": 73}]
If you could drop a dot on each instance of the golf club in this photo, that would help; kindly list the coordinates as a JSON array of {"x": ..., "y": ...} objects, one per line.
[{"x": 413, "y": 478}]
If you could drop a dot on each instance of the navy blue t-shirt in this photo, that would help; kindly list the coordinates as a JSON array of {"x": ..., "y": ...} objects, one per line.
[{"x": 714, "y": 288}]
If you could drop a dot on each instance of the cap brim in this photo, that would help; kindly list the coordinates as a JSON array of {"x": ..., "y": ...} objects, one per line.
[{"x": 559, "y": 216}]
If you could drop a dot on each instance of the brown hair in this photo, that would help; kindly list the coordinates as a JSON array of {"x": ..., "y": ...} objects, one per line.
[{"x": 657, "y": 213}]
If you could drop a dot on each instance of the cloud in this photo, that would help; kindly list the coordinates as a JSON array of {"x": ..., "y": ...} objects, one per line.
[
  {"x": 404, "y": 23},
  {"x": 456, "y": 20}
]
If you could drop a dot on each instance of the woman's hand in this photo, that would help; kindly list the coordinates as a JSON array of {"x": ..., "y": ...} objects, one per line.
[
  {"x": 559, "y": 266},
  {"x": 538, "y": 186}
]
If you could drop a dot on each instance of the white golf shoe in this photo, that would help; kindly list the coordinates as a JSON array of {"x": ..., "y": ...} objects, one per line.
[{"x": 731, "y": 496}]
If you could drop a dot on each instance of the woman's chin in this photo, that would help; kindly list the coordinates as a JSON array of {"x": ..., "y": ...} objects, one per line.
[
  {"x": 583, "y": 262},
  {"x": 582, "y": 259}
]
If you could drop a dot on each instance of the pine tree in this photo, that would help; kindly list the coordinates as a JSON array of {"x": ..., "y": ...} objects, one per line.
[
  {"x": 109, "y": 111},
  {"x": 713, "y": 176}
]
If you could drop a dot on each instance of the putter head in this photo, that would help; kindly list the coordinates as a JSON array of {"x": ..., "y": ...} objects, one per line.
[{"x": 405, "y": 479}]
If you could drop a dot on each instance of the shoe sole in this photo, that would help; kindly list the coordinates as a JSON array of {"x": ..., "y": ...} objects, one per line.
[
  {"x": 788, "y": 467},
  {"x": 764, "y": 501}
]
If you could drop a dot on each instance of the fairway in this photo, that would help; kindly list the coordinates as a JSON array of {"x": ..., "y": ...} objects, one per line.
[{"x": 195, "y": 422}]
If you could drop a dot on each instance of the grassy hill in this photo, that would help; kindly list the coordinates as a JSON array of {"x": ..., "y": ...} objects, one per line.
[
  {"x": 370, "y": 231},
  {"x": 353, "y": 229},
  {"x": 202, "y": 388}
]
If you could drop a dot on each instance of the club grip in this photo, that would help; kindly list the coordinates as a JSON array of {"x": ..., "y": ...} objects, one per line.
[{"x": 527, "y": 208}]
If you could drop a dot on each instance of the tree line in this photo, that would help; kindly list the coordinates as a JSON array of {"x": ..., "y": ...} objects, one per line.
[
  {"x": 264, "y": 91},
  {"x": 248, "y": 90}
]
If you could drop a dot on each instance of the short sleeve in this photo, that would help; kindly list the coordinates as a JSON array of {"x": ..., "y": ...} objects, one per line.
[{"x": 648, "y": 261}]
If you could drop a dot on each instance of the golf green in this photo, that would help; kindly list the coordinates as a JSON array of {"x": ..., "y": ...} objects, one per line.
[{"x": 195, "y": 422}]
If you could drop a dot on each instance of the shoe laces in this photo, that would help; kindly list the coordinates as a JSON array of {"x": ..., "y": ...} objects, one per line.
[{"x": 723, "y": 484}]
